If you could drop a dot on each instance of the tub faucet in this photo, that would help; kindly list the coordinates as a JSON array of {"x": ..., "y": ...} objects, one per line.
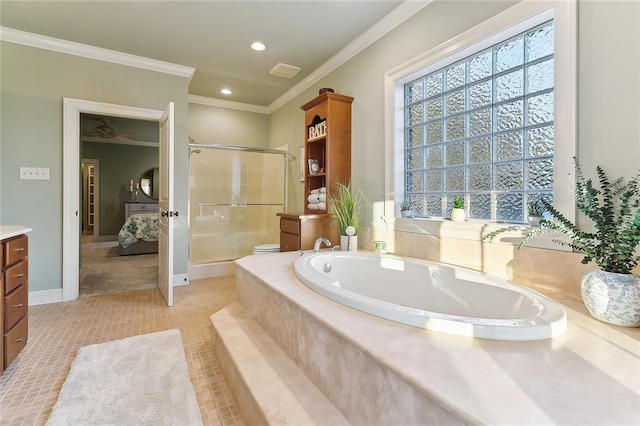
[{"x": 316, "y": 245}]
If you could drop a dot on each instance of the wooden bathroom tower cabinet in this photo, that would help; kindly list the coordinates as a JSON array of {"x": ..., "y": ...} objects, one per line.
[{"x": 327, "y": 139}]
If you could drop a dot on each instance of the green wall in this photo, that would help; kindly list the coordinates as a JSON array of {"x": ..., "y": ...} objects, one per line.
[
  {"x": 118, "y": 164},
  {"x": 363, "y": 78},
  {"x": 608, "y": 86},
  {"x": 33, "y": 83},
  {"x": 215, "y": 125}
]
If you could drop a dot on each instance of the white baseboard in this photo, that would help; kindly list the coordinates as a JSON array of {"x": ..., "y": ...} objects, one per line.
[
  {"x": 44, "y": 297},
  {"x": 211, "y": 270},
  {"x": 180, "y": 279}
]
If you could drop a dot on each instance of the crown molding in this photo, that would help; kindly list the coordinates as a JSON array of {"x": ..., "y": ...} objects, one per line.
[
  {"x": 394, "y": 18},
  {"x": 72, "y": 48},
  {"x": 398, "y": 15},
  {"x": 221, "y": 103}
]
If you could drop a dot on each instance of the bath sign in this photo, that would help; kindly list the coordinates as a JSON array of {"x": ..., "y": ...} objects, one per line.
[{"x": 318, "y": 130}]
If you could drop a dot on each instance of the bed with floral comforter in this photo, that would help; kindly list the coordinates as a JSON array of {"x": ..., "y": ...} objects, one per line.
[{"x": 139, "y": 227}]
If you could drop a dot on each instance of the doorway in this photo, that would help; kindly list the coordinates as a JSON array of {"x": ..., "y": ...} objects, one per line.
[
  {"x": 72, "y": 109},
  {"x": 126, "y": 149}
]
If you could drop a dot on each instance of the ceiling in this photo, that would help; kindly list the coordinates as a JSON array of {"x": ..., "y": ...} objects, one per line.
[
  {"x": 213, "y": 37},
  {"x": 118, "y": 130}
]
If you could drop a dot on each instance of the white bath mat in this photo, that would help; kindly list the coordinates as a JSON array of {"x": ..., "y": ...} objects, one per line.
[{"x": 141, "y": 380}]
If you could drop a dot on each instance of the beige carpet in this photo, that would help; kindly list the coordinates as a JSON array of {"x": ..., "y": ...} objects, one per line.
[
  {"x": 104, "y": 271},
  {"x": 140, "y": 380}
]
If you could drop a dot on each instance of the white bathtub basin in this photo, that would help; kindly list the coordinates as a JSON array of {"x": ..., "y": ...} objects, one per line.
[{"x": 434, "y": 296}]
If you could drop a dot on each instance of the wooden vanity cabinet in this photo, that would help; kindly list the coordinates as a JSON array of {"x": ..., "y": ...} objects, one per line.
[
  {"x": 14, "y": 292},
  {"x": 300, "y": 231},
  {"x": 327, "y": 137}
]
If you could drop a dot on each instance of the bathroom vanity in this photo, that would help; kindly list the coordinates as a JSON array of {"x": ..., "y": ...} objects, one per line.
[
  {"x": 14, "y": 292},
  {"x": 299, "y": 231}
]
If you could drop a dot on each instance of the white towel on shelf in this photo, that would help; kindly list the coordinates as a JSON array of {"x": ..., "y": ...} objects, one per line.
[
  {"x": 322, "y": 206},
  {"x": 313, "y": 199},
  {"x": 323, "y": 190},
  {"x": 312, "y": 206},
  {"x": 322, "y": 197},
  {"x": 315, "y": 191}
]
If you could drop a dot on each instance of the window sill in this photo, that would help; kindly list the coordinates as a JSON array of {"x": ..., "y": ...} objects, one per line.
[{"x": 472, "y": 230}]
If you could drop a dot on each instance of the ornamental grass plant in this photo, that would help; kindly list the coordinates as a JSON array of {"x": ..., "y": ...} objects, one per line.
[{"x": 345, "y": 203}]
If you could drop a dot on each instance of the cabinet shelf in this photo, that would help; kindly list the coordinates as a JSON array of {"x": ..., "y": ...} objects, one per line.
[{"x": 332, "y": 150}]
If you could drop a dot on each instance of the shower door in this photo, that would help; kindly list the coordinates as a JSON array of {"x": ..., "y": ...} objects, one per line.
[{"x": 234, "y": 195}]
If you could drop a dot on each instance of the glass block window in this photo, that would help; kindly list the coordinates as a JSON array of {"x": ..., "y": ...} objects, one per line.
[{"x": 482, "y": 128}]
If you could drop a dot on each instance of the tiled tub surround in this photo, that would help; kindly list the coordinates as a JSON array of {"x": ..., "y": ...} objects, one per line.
[{"x": 380, "y": 372}]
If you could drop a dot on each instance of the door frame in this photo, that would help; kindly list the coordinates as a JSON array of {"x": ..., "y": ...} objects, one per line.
[{"x": 72, "y": 108}]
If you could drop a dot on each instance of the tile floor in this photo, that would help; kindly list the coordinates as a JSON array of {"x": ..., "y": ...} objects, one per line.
[{"x": 30, "y": 386}]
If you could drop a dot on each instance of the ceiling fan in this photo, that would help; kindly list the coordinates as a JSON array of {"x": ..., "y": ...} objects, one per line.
[{"x": 105, "y": 131}]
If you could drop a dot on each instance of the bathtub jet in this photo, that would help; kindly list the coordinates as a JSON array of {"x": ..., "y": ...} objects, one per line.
[{"x": 433, "y": 296}]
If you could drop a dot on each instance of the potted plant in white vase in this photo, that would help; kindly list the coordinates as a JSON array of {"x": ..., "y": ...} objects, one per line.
[
  {"x": 457, "y": 212},
  {"x": 405, "y": 208},
  {"x": 610, "y": 293},
  {"x": 535, "y": 212},
  {"x": 345, "y": 203}
]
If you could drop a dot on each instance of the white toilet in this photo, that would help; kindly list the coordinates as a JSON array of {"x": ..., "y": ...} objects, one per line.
[{"x": 266, "y": 248}]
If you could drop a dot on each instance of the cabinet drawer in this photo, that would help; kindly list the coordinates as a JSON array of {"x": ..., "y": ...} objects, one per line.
[
  {"x": 15, "y": 250},
  {"x": 289, "y": 242},
  {"x": 14, "y": 341},
  {"x": 16, "y": 276},
  {"x": 143, "y": 208},
  {"x": 290, "y": 226},
  {"x": 15, "y": 306}
]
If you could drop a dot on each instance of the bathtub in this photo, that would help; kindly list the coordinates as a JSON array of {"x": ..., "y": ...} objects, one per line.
[{"x": 431, "y": 295}]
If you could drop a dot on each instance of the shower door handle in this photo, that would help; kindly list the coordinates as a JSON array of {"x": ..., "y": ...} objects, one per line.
[{"x": 170, "y": 214}]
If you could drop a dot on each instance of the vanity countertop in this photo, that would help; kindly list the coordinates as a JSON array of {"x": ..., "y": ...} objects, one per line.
[{"x": 8, "y": 231}]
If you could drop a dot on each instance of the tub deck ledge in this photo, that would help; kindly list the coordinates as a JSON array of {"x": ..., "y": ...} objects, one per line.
[{"x": 376, "y": 371}]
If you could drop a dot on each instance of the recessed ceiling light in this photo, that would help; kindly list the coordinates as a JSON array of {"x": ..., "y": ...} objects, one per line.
[
  {"x": 226, "y": 91},
  {"x": 258, "y": 46}
]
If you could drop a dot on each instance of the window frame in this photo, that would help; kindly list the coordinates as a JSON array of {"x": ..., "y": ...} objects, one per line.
[
  {"x": 510, "y": 22},
  {"x": 442, "y": 98}
]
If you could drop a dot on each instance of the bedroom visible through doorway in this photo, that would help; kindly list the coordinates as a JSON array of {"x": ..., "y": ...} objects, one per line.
[{"x": 118, "y": 155}]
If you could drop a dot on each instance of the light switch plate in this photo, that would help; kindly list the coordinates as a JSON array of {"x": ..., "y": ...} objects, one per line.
[{"x": 34, "y": 173}]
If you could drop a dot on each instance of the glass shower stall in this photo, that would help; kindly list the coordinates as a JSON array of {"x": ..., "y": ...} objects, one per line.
[{"x": 234, "y": 195}]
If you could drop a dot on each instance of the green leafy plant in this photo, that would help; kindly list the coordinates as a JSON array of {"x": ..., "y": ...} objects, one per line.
[
  {"x": 345, "y": 203},
  {"x": 458, "y": 202},
  {"x": 536, "y": 208},
  {"x": 614, "y": 209},
  {"x": 405, "y": 205}
]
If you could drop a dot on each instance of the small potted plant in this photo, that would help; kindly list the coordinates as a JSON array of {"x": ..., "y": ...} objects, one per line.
[
  {"x": 611, "y": 293},
  {"x": 405, "y": 208},
  {"x": 457, "y": 212},
  {"x": 536, "y": 212},
  {"x": 345, "y": 203}
]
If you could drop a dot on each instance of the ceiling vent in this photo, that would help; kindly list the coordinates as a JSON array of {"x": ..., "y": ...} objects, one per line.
[{"x": 284, "y": 71}]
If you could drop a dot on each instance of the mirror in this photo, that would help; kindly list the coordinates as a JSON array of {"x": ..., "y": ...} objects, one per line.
[{"x": 150, "y": 183}]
